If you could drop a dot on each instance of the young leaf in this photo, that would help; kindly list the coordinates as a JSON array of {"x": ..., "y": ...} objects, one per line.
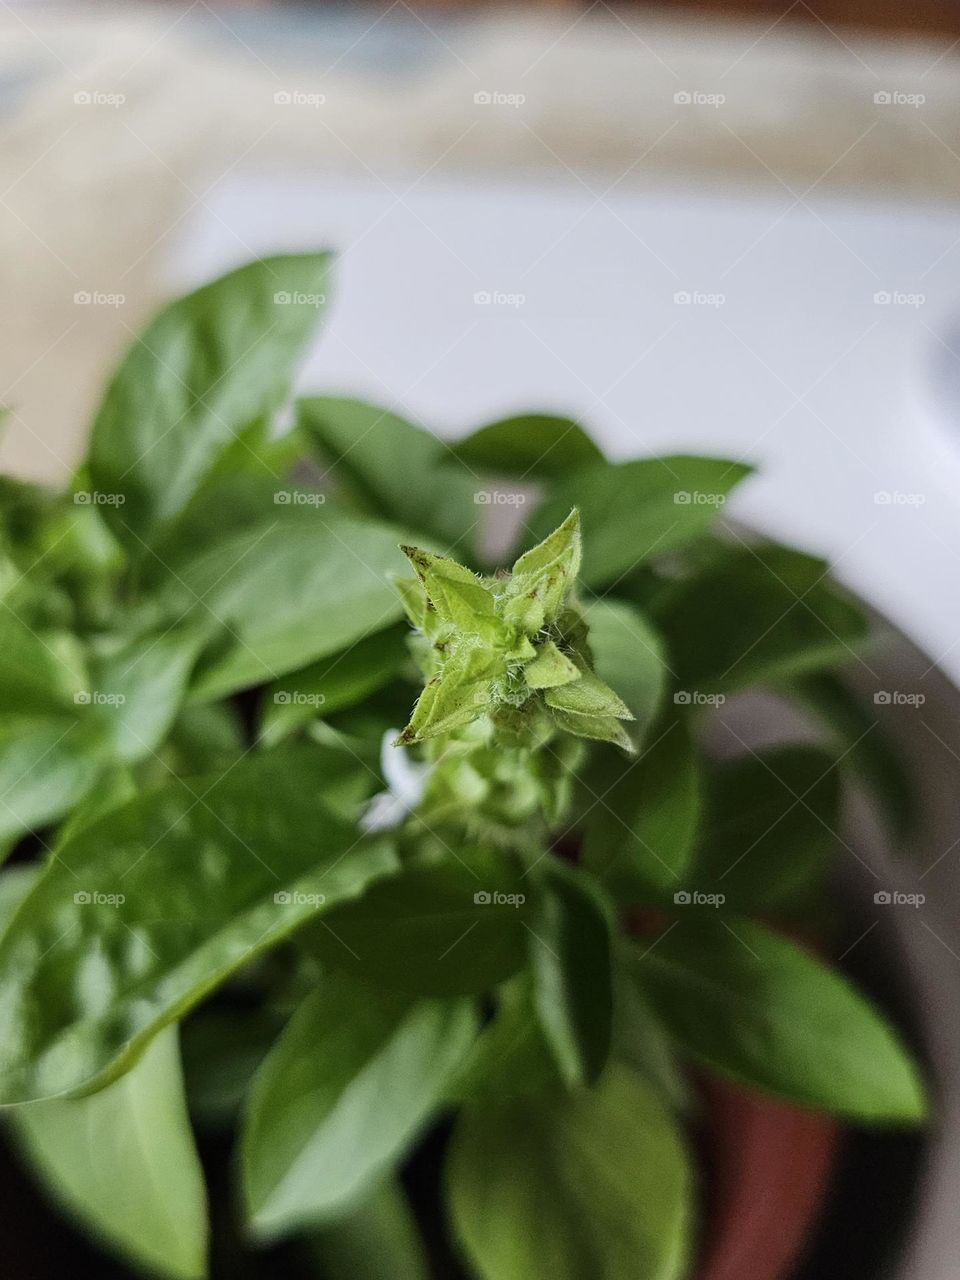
[
  {"x": 757, "y": 613},
  {"x": 588, "y": 696},
  {"x": 341, "y": 1096},
  {"x": 593, "y": 1183},
  {"x": 641, "y": 829},
  {"x": 550, "y": 668},
  {"x": 378, "y": 1239},
  {"x": 461, "y": 691},
  {"x": 528, "y": 446},
  {"x": 158, "y": 902},
  {"x": 756, "y": 1007},
  {"x": 295, "y": 590},
  {"x": 634, "y": 510},
  {"x": 393, "y": 466},
  {"x": 594, "y": 728},
  {"x": 449, "y": 928},
  {"x": 542, "y": 577},
  {"x": 569, "y": 944},
  {"x": 123, "y": 1163},
  {"x": 628, "y": 655}
]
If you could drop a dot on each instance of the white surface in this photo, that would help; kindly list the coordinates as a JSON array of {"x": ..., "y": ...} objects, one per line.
[{"x": 835, "y": 397}]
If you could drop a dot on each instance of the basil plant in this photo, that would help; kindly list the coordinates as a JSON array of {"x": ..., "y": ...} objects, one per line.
[{"x": 384, "y": 877}]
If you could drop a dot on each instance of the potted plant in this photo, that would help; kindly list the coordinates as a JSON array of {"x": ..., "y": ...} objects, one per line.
[{"x": 392, "y": 876}]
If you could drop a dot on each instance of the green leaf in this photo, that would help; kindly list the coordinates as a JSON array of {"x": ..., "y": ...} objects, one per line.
[
  {"x": 768, "y": 832},
  {"x": 378, "y": 1239},
  {"x": 511, "y": 1055},
  {"x": 39, "y": 670},
  {"x": 138, "y": 686},
  {"x": 594, "y": 1183},
  {"x": 628, "y": 655},
  {"x": 550, "y": 668},
  {"x": 530, "y": 445},
  {"x": 461, "y": 691},
  {"x": 642, "y": 824},
  {"x": 548, "y": 571},
  {"x": 207, "y": 365},
  {"x": 451, "y": 928},
  {"x": 569, "y": 942},
  {"x": 865, "y": 749},
  {"x": 753, "y": 614},
  {"x": 594, "y": 728},
  {"x": 634, "y": 510},
  {"x": 342, "y": 1095},
  {"x": 333, "y": 683},
  {"x": 210, "y": 875},
  {"x": 124, "y": 1165},
  {"x": 588, "y": 696},
  {"x": 47, "y": 765},
  {"x": 302, "y": 587},
  {"x": 392, "y": 465},
  {"x": 757, "y": 1008}
]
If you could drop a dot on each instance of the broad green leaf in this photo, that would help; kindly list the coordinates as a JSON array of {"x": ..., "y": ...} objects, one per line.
[
  {"x": 123, "y": 1164},
  {"x": 137, "y": 688},
  {"x": 593, "y": 1183},
  {"x": 145, "y": 911},
  {"x": 333, "y": 683},
  {"x": 757, "y": 613},
  {"x": 206, "y": 366},
  {"x": 569, "y": 944},
  {"x": 511, "y": 1055},
  {"x": 205, "y": 736},
  {"x": 865, "y": 748},
  {"x": 757, "y": 1008},
  {"x": 530, "y": 445},
  {"x": 40, "y": 670},
  {"x": 342, "y": 1095},
  {"x": 14, "y": 885},
  {"x": 392, "y": 465},
  {"x": 443, "y": 929},
  {"x": 641, "y": 1041},
  {"x": 294, "y": 590},
  {"x": 768, "y": 830},
  {"x": 642, "y": 821},
  {"x": 631, "y": 511},
  {"x": 378, "y": 1239},
  {"x": 47, "y": 765},
  {"x": 628, "y": 655}
]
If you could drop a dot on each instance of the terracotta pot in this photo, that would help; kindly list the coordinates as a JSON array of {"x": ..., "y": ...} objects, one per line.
[{"x": 769, "y": 1166}]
